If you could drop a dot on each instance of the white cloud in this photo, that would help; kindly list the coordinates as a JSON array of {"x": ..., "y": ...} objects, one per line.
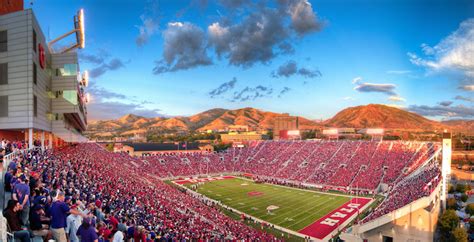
[
  {"x": 386, "y": 88},
  {"x": 396, "y": 98},
  {"x": 399, "y": 106},
  {"x": 356, "y": 80},
  {"x": 467, "y": 87},
  {"x": 455, "y": 53}
]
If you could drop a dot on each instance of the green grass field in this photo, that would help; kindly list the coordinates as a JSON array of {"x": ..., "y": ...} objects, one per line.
[{"x": 297, "y": 208}]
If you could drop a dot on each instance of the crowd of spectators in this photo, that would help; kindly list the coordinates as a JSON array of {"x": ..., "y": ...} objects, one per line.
[
  {"x": 408, "y": 190},
  {"x": 9, "y": 146},
  {"x": 344, "y": 165},
  {"x": 86, "y": 193}
]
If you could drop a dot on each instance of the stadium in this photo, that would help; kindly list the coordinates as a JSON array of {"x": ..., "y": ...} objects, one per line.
[
  {"x": 308, "y": 189},
  {"x": 268, "y": 183}
]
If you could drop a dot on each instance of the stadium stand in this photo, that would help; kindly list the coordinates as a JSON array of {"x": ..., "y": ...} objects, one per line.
[
  {"x": 116, "y": 191},
  {"x": 126, "y": 194},
  {"x": 367, "y": 164}
]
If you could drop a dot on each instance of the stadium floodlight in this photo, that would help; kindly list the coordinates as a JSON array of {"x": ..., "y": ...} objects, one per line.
[
  {"x": 85, "y": 79},
  {"x": 79, "y": 30},
  {"x": 88, "y": 97},
  {"x": 375, "y": 131}
]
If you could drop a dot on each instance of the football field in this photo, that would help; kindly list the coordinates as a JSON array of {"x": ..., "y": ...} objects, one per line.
[{"x": 294, "y": 209}]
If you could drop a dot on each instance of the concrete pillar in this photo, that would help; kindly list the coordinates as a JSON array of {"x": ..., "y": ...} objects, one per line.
[
  {"x": 50, "y": 143},
  {"x": 30, "y": 138},
  {"x": 445, "y": 167},
  {"x": 42, "y": 140}
]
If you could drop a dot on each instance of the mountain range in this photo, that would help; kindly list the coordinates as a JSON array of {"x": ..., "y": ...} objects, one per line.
[{"x": 367, "y": 116}]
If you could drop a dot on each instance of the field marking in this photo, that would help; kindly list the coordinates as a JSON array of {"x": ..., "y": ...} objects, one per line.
[
  {"x": 317, "y": 213},
  {"x": 322, "y": 230},
  {"x": 271, "y": 196},
  {"x": 324, "y": 213},
  {"x": 275, "y": 197},
  {"x": 276, "y": 193},
  {"x": 305, "y": 190}
]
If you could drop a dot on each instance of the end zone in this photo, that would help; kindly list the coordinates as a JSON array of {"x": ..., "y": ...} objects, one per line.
[{"x": 336, "y": 219}]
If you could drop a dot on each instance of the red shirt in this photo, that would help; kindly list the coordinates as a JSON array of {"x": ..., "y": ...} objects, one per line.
[
  {"x": 139, "y": 237},
  {"x": 114, "y": 222}
]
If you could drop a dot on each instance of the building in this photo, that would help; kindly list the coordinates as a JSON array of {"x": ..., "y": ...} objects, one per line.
[
  {"x": 238, "y": 128},
  {"x": 147, "y": 149},
  {"x": 241, "y": 137},
  {"x": 336, "y": 133},
  {"x": 42, "y": 93},
  {"x": 283, "y": 123}
]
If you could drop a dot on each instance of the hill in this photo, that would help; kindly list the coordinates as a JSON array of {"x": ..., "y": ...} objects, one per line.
[
  {"x": 460, "y": 125},
  {"x": 368, "y": 116},
  {"x": 377, "y": 115},
  {"x": 213, "y": 119}
]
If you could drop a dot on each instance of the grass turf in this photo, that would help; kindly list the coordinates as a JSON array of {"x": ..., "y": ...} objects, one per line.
[{"x": 297, "y": 208}]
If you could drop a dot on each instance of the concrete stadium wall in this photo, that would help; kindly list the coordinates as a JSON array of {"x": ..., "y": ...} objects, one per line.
[{"x": 21, "y": 57}]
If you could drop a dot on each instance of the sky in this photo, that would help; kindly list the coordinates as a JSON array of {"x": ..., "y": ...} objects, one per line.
[{"x": 309, "y": 58}]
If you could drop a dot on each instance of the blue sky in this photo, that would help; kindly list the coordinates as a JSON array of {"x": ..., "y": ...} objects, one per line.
[{"x": 306, "y": 58}]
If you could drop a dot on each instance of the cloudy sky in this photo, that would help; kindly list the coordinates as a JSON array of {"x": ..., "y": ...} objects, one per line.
[{"x": 310, "y": 58}]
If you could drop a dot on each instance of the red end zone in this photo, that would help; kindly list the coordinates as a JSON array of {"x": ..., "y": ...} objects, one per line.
[
  {"x": 207, "y": 179},
  {"x": 327, "y": 224}
]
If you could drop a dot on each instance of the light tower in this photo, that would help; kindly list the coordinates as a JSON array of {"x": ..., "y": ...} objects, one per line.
[
  {"x": 445, "y": 167},
  {"x": 79, "y": 30}
]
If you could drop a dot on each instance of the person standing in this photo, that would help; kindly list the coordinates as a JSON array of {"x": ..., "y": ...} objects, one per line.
[
  {"x": 21, "y": 193},
  {"x": 73, "y": 222},
  {"x": 119, "y": 235},
  {"x": 86, "y": 231},
  {"x": 59, "y": 211}
]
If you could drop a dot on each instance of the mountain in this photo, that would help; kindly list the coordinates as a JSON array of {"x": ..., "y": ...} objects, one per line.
[
  {"x": 368, "y": 116},
  {"x": 213, "y": 119},
  {"x": 381, "y": 116},
  {"x": 460, "y": 125}
]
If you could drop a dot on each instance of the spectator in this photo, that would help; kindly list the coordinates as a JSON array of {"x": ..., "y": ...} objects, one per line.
[
  {"x": 59, "y": 211},
  {"x": 36, "y": 223},
  {"x": 119, "y": 235},
  {"x": 73, "y": 222},
  {"x": 12, "y": 213},
  {"x": 21, "y": 193},
  {"x": 86, "y": 231},
  {"x": 139, "y": 235}
]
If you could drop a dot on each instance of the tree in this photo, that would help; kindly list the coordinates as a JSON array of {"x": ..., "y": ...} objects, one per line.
[
  {"x": 221, "y": 146},
  {"x": 459, "y": 235},
  {"x": 270, "y": 134},
  {"x": 470, "y": 209},
  {"x": 110, "y": 147},
  {"x": 447, "y": 222},
  {"x": 450, "y": 189},
  {"x": 451, "y": 203},
  {"x": 461, "y": 188},
  {"x": 310, "y": 134}
]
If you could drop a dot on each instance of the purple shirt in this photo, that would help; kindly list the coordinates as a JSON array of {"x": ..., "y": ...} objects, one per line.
[
  {"x": 12, "y": 165},
  {"x": 59, "y": 212},
  {"x": 21, "y": 190},
  {"x": 87, "y": 235}
]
